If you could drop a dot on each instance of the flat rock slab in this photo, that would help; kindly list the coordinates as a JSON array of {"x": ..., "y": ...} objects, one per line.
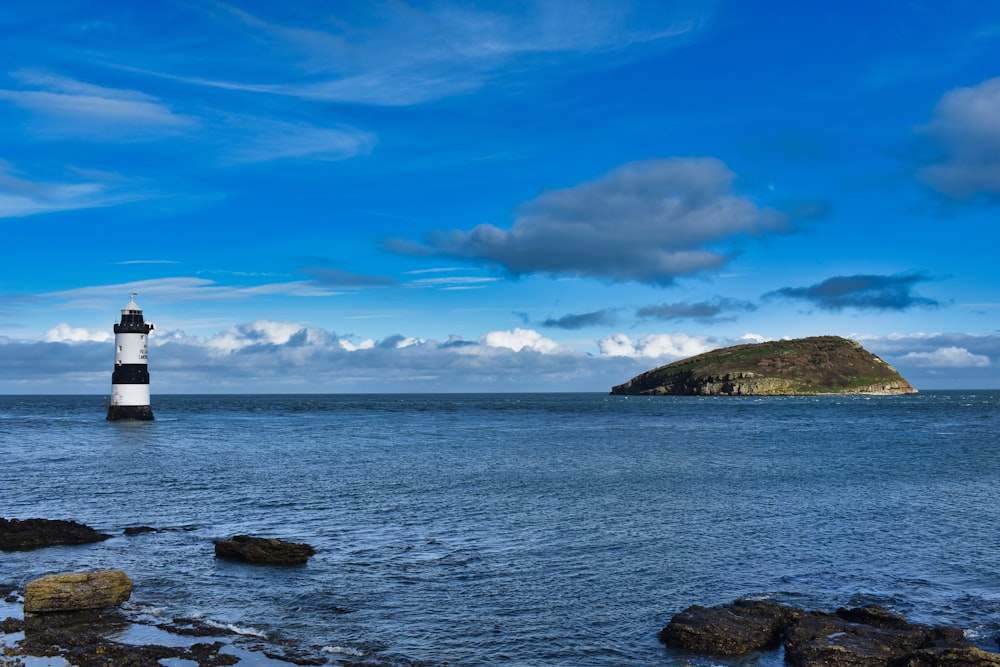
[
  {"x": 263, "y": 551},
  {"x": 30, "y": 534},
  {"x": 77, "y": 591}
]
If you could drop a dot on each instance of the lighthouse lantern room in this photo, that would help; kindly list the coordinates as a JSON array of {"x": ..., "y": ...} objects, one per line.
[{"x": 130, "y": 379}]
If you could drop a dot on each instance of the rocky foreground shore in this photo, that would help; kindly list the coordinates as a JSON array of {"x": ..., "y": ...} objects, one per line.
[
  {"x": 867, "y": 636},
  {"x": 70, "y": 615}
]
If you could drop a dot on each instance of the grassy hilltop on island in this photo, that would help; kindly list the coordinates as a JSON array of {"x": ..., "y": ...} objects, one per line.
[{"x": 816, "y": 365}]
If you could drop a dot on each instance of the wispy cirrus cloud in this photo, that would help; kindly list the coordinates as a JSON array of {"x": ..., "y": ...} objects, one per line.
[
  {"x": 65, "y": 108},
  {"x": 649, "y": 222},
  {"x": 247, "y": 139},
  {"x": 184, "y": 288},
  {"x": 861, "y": 292},
  {"x": 23, "y": 195},
  {"x": 405, "y": 54},
  {"x": 77, "y": 108}
]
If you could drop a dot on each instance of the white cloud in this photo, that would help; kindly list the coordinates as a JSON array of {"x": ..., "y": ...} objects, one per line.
[
  {"x": 64, "y": 333},
  {"x": 655, "y": 346},
  {"x": 520, "y": 339},
  {"x": 259, "y": 332},
  {"x": 273, "y": 356},
  {"x": 947, "y": 357},
  {"x": 350, "y": 346}
]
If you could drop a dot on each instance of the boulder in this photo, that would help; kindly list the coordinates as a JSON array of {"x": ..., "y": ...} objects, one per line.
[
  {"x": 730, "y": 629},
  {"x": 870, "y": 636},
  {"x": 867, "y": 636},
  {"x": 77, "y": 591},
  {"x": 29, "y": 534},
  {"x": 263, "y": 551}
]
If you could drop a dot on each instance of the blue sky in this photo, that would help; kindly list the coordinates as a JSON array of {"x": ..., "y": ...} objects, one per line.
[{"x": 526, "y": 196}]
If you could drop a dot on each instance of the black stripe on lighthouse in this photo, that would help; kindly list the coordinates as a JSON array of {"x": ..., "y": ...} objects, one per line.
[{"x": 130, "y": 374}]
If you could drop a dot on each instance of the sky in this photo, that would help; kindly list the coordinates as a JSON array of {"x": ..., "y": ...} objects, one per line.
[{"x": 331, "y": 197}]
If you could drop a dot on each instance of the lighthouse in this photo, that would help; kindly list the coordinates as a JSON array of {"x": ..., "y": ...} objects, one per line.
[{"x": 130, "y": 380}]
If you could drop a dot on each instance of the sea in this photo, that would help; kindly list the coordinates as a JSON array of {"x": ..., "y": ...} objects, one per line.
[{"x": 516, "y": 529}]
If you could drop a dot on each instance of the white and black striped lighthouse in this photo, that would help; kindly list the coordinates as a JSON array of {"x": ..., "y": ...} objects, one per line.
[{"x": 130, "y": 380}]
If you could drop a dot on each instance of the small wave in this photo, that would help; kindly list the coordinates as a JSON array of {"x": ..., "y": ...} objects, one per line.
[
  {"x": 235, "y": 629},
  {"x": 343, "y": 650}
]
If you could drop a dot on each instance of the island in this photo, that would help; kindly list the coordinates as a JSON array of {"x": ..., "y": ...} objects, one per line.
[{"x": 798, "y": 367}]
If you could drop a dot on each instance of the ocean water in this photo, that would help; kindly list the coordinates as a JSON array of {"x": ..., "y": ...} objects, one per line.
[{"x": 519, "y": 529}]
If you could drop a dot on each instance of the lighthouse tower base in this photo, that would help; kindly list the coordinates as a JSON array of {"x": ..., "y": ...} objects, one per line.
[{"x": 140, "y": 412}]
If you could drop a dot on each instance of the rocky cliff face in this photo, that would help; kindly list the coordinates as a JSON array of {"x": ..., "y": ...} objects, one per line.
[{"x": 817, "y": 365}]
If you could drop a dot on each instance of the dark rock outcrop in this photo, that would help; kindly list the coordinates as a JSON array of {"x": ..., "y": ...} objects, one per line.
[
  {"x": 77, "y": 591},
  {"x": 861, "y": 637},
  {"x": 90, "y": 649},
  {"x": 263, "y": 551},
  {"x": 29, "y": 534},
  {"x": 729, "y": 629},
  {"x": 817, "y": 365}
]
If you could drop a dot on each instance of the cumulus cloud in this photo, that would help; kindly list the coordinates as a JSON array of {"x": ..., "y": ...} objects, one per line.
[
  {"x": 706, "y": 312},
  {"x": 862, "y": 292},
  {"x": 259, "y": 332},
  {"x": 948, "y": 357},
  {"x": 64, "y": 333},
  {"x": 582, "y": 320},
  {"x": 675, "y": 345},
  {"x": 648, "y": 222},
  {"x": 520, "y": 339},
  {"x": 271, "y": 356},
  {"x": 965, "y": 131},
  {"x": 930, "y": 359}
]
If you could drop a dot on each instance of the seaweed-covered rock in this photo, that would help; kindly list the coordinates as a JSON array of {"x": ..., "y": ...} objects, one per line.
[
  {"x": 76, "y": 591},
  {"x": 730, "y": 629},
  {"x": 29, "y": 534},
  {"x": 263, "y": 551}
]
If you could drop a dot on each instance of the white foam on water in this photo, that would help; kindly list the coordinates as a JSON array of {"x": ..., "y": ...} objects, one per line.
[
  {"x": 343, "y": 650},
  {"x": 237, "y": 629}
]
